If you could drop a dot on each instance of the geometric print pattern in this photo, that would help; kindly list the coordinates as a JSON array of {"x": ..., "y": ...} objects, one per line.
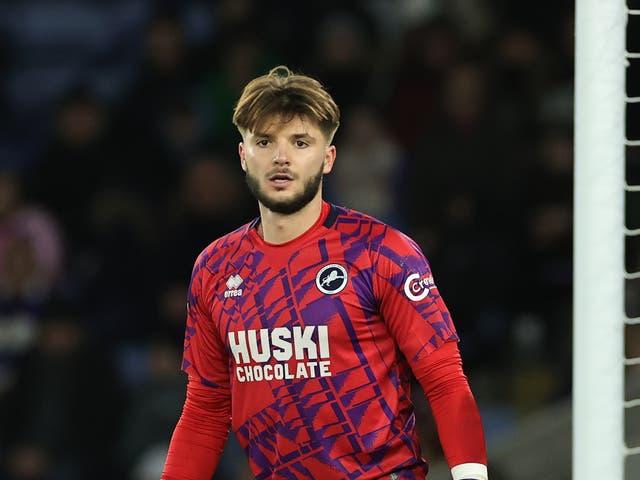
[{"x": 319, "y": 381}]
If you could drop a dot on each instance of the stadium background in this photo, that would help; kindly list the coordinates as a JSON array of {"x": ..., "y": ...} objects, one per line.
[{"x": 118, "y": 164}]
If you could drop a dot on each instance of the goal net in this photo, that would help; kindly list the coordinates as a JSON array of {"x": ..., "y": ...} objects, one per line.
[{"x": 606, "y": 339}]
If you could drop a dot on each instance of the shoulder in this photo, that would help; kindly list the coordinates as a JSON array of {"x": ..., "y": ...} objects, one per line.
[
  {"x": 223, "y": 248},
  {"x": 377, "y": 234}
]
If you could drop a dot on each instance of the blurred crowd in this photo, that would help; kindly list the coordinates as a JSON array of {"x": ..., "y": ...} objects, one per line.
[{"x": 118, "y": 165}]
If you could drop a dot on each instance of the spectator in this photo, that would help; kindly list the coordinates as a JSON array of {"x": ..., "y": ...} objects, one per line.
[
  {"x": 369, "y": 153},
  {"x": 63, "y": 414},
  {"x": 208, "y": 199},
  {"x": 77, "y": 162},
  {"x": 31, "y": 263},
  {"x": 153, "y": 405}
]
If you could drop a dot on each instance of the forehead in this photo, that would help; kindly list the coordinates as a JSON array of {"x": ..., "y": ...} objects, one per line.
[{"x": 288, "y": 124}]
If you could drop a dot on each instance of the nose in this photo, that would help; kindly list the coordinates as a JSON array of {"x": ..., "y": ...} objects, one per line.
[{"x": 280, "y": 155}]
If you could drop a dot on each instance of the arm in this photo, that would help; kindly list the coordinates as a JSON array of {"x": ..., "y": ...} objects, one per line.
[
  {"x": 421, "y": 325},
  {"x": 200, "y": 435},
  {"x": 455, "y": 412}
]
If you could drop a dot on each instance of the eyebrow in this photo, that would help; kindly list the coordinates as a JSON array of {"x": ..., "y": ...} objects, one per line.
[
  {"x": 294, "y": 135},
  {"x": 301, "y": 135}
]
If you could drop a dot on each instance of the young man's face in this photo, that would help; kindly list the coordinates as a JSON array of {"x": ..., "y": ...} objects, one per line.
[{"x": 284, "y": 164}]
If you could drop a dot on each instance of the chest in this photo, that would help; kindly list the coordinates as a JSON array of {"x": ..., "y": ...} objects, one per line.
[{"x": 299, "y": 302}]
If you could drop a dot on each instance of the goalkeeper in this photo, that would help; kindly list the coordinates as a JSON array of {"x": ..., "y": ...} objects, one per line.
[{"x": 305, "y": 325}]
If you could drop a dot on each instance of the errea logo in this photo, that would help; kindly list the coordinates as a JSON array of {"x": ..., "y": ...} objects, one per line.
[
  {"x": 416, "y": 287},
  {"x": 331, "y": 278},
  {"x": 233, "y": 284}
]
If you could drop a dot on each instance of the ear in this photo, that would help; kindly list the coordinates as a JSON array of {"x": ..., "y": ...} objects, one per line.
[
  {"x": 243, "y": 161},
  {"x": 329, "y": 159}
]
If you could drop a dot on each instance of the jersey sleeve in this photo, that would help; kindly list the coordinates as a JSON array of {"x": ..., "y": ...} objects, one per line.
[
  {"x": 455, "y": 412},
  {"x": 202, "y": 430},
  {"x": 205, "y": 358},
  {"x": 408, "y": 298},
  {"x": 419, "y": 321}
]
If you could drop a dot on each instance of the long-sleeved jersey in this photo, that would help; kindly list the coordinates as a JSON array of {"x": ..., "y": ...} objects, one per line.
[{"x": 314, "y": 342}]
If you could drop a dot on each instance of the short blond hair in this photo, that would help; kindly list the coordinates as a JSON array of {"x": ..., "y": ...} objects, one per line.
[{"x": 282, "y": 93}]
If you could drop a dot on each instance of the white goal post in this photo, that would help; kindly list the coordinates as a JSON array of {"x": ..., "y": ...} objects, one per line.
[{"x": 598, "y": 275}]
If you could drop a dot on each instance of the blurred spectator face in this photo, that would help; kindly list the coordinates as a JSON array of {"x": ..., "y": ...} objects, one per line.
[
  {"x": 31, "y": 252},
  {"x": 163, "y": 358},
  {"x": 557, "y": 153},
  {"x": 79, "y": 122},
  {"x": 60, "y": 336},
  {"x": 28, "y": 462},
  {"x": 437, "y": 46},
  {"x": 182, "y": 129},
  {"x": 363, "y": 125},
  {"x": 232, "y": 12},
  {"x": 172, "y": 302},
  {"x": 165, "y": 44},
  {"x": 9, "y": 193},
  {"x": 465, "y": 92},
  {"x": 519, "y": 48},
  {"x": 550, "y": 225},
  {"x": 208, "y": 186},
  {"x": 18, "y": 265},
  {"x": 460, "y": 209},
  {"x": 240, "y": 62},
  {"x": 341, "y": 42}
]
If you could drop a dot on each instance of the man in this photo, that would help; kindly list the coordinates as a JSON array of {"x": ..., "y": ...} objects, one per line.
[{"x": 304, "y": 326}]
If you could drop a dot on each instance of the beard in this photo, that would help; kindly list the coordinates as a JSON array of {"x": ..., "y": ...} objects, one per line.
[{"x": 291, "y": 205}]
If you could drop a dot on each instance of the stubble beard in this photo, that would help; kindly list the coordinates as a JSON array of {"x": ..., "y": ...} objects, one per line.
[{"x": 290, "y": 205}]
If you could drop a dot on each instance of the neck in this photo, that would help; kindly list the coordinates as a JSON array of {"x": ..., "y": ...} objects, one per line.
[{"x": 278, "y": 228}]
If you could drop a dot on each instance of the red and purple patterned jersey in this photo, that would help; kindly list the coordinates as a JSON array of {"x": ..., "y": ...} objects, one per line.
[{"x": 315, "y": 339}]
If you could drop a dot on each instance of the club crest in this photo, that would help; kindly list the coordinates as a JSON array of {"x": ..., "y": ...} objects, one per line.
[{"x": 331, "y": 278}]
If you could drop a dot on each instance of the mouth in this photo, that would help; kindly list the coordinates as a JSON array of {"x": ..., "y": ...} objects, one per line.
[{"x": 280, "y": 178}]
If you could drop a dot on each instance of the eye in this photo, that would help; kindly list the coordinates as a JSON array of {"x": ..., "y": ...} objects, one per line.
[
  {"x": 263, "y": 143},
  {"x": 301, "y": 144}
]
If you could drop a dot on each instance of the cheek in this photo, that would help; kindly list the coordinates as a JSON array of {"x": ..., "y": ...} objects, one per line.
[{"x": 255, "y": 159}]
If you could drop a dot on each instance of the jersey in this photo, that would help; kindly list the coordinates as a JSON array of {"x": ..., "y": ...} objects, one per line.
[{"x": 316, "y": 339}]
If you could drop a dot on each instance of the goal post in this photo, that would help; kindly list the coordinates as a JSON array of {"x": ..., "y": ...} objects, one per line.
[{"x": 598, "y": 241}]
